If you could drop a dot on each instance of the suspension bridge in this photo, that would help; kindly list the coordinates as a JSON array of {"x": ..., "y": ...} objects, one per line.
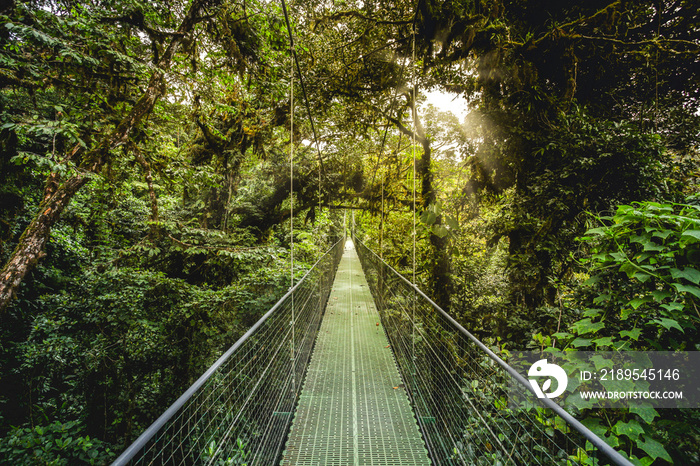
[{"x": 356, "y": 366}]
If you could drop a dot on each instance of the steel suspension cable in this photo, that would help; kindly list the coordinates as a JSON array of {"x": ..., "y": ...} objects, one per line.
[
  {"x": 379, "y": 157},
  {"x": 415, "y": 113},
  {"x": 291, "y": 208},
  {"x": 301, "y": 82},
  {"x": 308, "y": 110},
  {"x": 386, "y": 130}
]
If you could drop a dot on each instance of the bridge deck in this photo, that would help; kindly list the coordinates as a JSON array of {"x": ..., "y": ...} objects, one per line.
[{"x": 353, "y": 409}]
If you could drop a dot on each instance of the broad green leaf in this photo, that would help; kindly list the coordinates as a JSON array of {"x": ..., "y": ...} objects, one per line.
[
  {"x": 452, "y": 223},
  {"x": 633, "y": 334},
  {"x": 659, "y": 295},
  {"x": 625, "y": 312},
  {"x": 612, "y": 440},
  {"x": 618, "y": 256},
  {"x": 602, "y": 342},
  {"x": 640, "y": 239},
  {"x": 663, "y": 234},
  {"x": 623, "y": 209},
  {"x": 629, "y": 269},
  {"x": 440, "y": 231},
  {"x": 579, "y": 342},
  {"x": 654, "y": 449},
  {"x": 645, "y": 411},
  {"x": 668, "y": 324},
  {"x": 694, "y": 290},
  {"x": 653, "y": 247},
  {"x": 577, "y": 400},
  {"x": 691, "y": 234},
  {"x": 596, "y": 231},
  {"x": 673, "y": 307},
  {"x": 641, "y": 257},
  {"x": 592, "y": 312},
  {"x": 587, "y": 326},
  {"x": 636, "y": 302},
  {"x": 690, "y": 274},
  {"x": 631, "y": 429},
  {"x": 428, "y": 217},
  {"x": 592, "y": 281},
  {"x": 594, "y": 425},
  {"x": 600, "y": 362}
]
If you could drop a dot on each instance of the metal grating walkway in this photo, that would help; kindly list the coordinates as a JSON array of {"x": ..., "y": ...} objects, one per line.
[{"x": 353, "y": 409}]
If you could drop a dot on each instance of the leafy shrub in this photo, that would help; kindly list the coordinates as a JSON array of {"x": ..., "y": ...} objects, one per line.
[
  {"x": 643, "y": 295},
  {"x": 55, "y": 444},
  {"x": 645, "y": 280}
]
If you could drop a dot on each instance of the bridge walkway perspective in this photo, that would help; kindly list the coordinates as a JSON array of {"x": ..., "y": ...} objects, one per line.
[{"x": 353, "y": 408}]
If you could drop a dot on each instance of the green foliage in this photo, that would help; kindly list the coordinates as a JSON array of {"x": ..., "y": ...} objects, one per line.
[
  {"x": 129, "y": 307},
  {"x": 642, "y": 295},
  {"x": 125, "y": 334},
  {"x": 238, "y": 459},
  {"x": 55, "y": 444},
  {"x": 644, "y": 279},
  {"x": 429, "y": 217},
  {"x": 577, "y": 163}
]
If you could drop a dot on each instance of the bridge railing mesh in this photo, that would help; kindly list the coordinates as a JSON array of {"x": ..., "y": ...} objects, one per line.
[
  {"x": 239, "y": 411},
  {"x": 459, "y": 388}
]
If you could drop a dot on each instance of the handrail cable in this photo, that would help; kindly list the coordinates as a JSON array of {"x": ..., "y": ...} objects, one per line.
[
  {"x": 599, "y": 443},
  {"x": 151, "y": 431}
]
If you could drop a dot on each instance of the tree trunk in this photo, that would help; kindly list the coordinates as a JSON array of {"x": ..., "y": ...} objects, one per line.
[
  {"x": 440, "y": 282},
  {"x": 30, "y": 248}
]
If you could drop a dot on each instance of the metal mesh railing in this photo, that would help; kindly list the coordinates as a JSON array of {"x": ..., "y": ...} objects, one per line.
[
  {"x": 459, "y": 388},
  {"x": 240, "y": 410}
]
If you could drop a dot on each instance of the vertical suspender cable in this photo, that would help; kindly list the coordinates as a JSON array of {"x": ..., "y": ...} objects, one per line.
[
  {"x": 656, "y": 71},
  {"x": 379, "y": 160},
  {"x": 301, "y": 83},
  {"x": 381, "y": 223},
  {"x": 320, "y": 237},
  {"x": 295, "y": 61},
  {"x": 415, "y": 113},
  {"x": 291, "y": 214}
]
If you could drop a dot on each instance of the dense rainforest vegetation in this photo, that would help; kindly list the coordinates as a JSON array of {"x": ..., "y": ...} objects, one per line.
[{"x": 145, "y": 188}]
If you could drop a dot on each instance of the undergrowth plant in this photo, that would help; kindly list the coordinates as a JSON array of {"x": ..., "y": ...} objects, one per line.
[{"x": 643, "y": 294}]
